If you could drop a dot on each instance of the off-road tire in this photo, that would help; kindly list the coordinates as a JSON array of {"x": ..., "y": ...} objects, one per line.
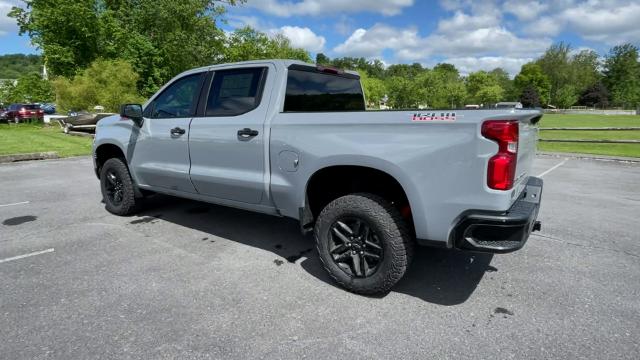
[
  {"x": 129, "y": 203},
  {"x": 391, "y": 230}
]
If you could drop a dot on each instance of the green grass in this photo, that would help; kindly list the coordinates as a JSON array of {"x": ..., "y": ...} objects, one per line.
[
  {"x": 573, "y": 120},
  {"x": 27, "y": 138},
  {"x": 628, "y": 150},
  {"x": 590, "y": 134}
]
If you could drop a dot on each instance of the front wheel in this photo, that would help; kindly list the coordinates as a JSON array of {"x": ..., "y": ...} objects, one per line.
[
  {"x": 117, "y": 187},
  {"x": 363, "y": 243}
]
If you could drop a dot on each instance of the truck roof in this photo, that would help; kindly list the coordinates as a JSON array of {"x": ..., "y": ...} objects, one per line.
[{"x": 282, "y": 62}]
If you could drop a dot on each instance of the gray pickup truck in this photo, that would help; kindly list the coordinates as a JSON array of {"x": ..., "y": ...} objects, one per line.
[{"x": 293, "y": 139}]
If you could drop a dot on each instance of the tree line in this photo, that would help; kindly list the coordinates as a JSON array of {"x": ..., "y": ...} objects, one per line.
[
  {"x": 141, "y": 44},
  {"x": 560, "y": 77},
  {"x": 12, "y": 66},
  {"x": 114, "y": 51}
]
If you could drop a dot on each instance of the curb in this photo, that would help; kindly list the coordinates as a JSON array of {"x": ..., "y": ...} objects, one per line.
[
  {"x": 589, "y": 156},
  {"x": 30, "y": 156}
]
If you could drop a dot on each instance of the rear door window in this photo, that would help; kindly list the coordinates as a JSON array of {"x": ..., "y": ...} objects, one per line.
[
  {"x": 311, "y": 90},
  {"x": 235, "y": 92}
]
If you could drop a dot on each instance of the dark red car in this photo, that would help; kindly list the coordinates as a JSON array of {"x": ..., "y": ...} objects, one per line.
[{"x": 23, "y": 112}]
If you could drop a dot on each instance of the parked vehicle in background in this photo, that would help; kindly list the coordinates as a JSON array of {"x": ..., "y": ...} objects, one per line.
[
  {"x": 3, "y": 114},
  {"x": 48, "y": 109},
  {"x": 24, "y": 112},
  {"x": 81, "y": 120},
  {"x": 292, "y": 139},
  {"x": 509, "y": 105}
]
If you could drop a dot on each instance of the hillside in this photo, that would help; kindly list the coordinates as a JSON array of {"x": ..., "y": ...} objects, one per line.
[{"x": 14, "y": 65}]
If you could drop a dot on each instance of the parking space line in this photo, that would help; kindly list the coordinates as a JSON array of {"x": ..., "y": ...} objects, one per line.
[
  {"x": 554, "y": 167},
  {"x": 18, "y": 203},
  {"x": 26, "y": 255}
]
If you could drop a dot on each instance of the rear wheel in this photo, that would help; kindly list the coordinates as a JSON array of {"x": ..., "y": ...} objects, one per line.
[
  {"x": 363, "y": 243},
  {"x": 117, "y": 187}
]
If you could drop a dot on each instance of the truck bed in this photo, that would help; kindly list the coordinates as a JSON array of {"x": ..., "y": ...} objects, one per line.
[{"x": 438, "y": 156}]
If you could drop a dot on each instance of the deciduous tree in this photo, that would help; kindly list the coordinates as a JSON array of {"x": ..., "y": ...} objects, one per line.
[
  {"x": 530, "y": 97},
  {"x": 160, "y": 38},
  {"x": 483, "y": 88},
  {"x": 531, "y": 75},
  {"x": 595, "y": 95},
  {"x": 374, "y": 89},
  {"x": 31, "y": 88},
  {"x": 250, "y": 44},
  {"x": 622, "y": 75},
  {"x": 404, "y": 93}
]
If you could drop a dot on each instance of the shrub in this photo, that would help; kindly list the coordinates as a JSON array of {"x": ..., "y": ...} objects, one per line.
[{"x": 108, "y": 83}]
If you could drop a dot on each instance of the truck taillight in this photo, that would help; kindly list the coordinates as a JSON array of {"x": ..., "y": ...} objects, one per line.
[{"x": 502, "y": 166}]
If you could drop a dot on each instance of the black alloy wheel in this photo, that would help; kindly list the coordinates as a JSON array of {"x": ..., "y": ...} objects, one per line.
[
  {"x": 117, "y": 187},
  {"x": 355, "y": 247},
  {"x": 114, "y": 188},
  {"x": 363, "y": 242}
]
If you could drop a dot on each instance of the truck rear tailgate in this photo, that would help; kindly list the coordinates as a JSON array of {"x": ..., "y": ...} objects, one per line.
[{"x": 527, "y": 141}]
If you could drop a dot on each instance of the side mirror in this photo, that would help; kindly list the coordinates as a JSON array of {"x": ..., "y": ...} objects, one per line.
[{"x": 133, "y": 112}]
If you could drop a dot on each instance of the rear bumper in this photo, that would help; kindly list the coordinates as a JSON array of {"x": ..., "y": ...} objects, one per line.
[
  {"x": 500, "y": 232},
  {"x": 29, "y": 117}
]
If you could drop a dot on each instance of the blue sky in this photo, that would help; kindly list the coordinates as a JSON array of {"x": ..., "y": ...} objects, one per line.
[{"x": 472, "y": 35}]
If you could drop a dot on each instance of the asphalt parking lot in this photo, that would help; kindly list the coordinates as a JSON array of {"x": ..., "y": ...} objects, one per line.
[{"x": 189, "y": 280}]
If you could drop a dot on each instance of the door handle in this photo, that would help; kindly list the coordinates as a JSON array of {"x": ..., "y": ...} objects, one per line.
[
  {"x": 246, "y": 132},
  {"x": 177, "y": 131}
]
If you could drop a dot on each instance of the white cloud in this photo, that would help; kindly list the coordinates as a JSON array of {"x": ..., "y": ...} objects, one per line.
[
  {"x": 469, "y": 41},
  {"x": 463, "y": 22},
  {"x": 468, "y": 65},
  {"x": 611, "y": 22},
  {"x": 7, "y": 24},
  {"x": 490, "y": 41},
  {"x": 370, "y": 43},
  {"x": 607, "y": 21},
  {"x": 240, "y": 21},
  {"x": 344, "y": 25},
  {"x": 303, "y": 38},
  {"x": 458, "y": 37},
  {"x": 523, "y": 9},
  {"x": 324, "y": 7},
  {"x": 547, "y": 26}
]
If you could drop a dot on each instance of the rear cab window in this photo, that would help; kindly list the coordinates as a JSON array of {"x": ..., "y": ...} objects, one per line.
[{"x": 311, "y": 89}]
